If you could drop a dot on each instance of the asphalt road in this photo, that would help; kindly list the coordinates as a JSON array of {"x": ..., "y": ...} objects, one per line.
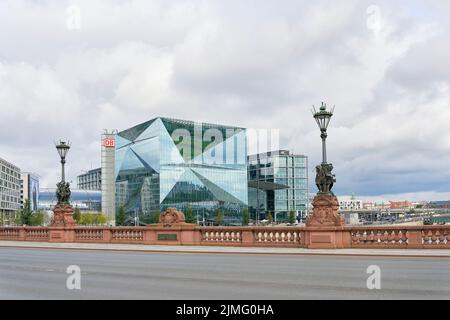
[{"x": 41, "y": 274}]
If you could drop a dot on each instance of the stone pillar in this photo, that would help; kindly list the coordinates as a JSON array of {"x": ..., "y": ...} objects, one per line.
[
  {"x": 62, "y": 224},
  {"x": 325, "y": 227}
]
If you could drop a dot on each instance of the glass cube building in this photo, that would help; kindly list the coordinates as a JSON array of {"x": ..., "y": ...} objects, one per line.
[
  {"x": 279, "y": 185},
  {"x": 192, "y": 166}
]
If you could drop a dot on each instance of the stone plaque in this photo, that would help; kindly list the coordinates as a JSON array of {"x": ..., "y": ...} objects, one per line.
[{"x": 167, "y": 236}]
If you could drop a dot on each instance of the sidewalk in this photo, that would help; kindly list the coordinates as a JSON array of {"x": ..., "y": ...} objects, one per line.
[{"x": 444, "y": 253}]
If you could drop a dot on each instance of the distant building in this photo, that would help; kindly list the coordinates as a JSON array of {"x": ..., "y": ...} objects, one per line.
[
  {"x": 29, "y": 190},
  {"x": 369, "y": 205},
  {"x": 9, "y": 191},
  {"x": 85, "y": 200},
  {"x": 400, "y": 205},
  {"x": 278, "y": 183},
  {"x": 350, "y": 203},
  {"x": 91, "y": 180}
]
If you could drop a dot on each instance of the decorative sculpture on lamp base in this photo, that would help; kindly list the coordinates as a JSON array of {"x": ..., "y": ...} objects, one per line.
[
  {"x": 63, "y": 211},
  {"x": 325, "y": 204}
]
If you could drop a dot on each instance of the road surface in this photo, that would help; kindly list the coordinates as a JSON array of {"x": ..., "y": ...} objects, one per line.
[{"x": 41, "y": 274}]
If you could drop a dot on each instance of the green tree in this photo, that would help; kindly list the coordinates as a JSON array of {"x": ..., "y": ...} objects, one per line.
[
  {"x": 155, "y": 216},
  {"x": 270, "y": 217},
  {"x": 245, "y": 217},
  {"x": 120, "y": 218},
  {"x": 37, "y": 218},
  {"x": 26, "y": 213},
  {"x": 101, "y": 219},
  {"x": 292, "y": 218},
  {"x": 77, "y": 215},
  {"x": 219, "y": 217},
  {"x": 190, "y": 216}
]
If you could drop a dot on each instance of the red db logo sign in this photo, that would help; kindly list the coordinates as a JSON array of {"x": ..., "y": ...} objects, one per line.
[{"x": 109, "y": 143}]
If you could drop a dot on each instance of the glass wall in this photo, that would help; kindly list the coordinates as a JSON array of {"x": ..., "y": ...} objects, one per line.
[
  {"x": 190, "y": 166},
  {"x": 280, "y": 167}
]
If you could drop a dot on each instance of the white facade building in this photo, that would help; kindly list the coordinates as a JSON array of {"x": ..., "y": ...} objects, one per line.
[
  {"x": 9, "y": 192},
  {"x": 350, "y": 203}
]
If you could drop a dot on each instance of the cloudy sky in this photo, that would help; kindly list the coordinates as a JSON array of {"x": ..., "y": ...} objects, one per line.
[{"x": 251, "y": 63}]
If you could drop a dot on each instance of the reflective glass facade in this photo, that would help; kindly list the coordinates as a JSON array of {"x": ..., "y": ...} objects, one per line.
[
  {"x": 85, "y": 200},
  {"x": 175, "y": 163},
  {"x": 283, "y": 168}
]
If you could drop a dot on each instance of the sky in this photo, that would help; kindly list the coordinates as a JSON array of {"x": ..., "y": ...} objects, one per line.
[{"x": 69, "y": 69}]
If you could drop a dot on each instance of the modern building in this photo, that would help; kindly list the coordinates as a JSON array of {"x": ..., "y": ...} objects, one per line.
[
  {"x": 9, "y": 192},
  {"x": 108, "y": 175},
  {"x": 176, "y": 163},
  {"x": 91, "y": 180},
  {"x": 85, "y": 200},
  {"x": 278, "y": 183},
  {"x": 29, "y": 190}
]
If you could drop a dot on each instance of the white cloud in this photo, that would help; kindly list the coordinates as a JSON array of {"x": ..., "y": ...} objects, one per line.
[{"x": 253, "y": 64}]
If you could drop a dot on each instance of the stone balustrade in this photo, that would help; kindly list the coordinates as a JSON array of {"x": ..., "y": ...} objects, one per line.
[{"x": 268, "y": 236}]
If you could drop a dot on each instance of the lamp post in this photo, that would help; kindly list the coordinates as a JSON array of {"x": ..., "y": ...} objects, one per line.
[
  {"x": 324, "y": 177},
  {"x": 325, "y": 201},
  {"x": 323, "y": 118},
  {"x": 63, "y": 148},
  {"x": 63, "y": 211}
]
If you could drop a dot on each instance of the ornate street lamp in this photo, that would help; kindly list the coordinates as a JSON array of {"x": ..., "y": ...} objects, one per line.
[
  {"x": 325, "y": 204},
  {"x": 63, "y": 148},
  {"x": 323, "y": 118},
  {"x": 63, "y": 187},
  {"x": 63, "y": 211},
  {"x": 324, "y": 177}
]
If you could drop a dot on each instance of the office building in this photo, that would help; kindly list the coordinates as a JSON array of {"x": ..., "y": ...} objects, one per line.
[
  {"x": 91, "y": 180},
  {"x": 176, "y": 163},
  {"x": 278, "y": 183},
  {"x": 9, "y": 192},
  {"x": 29, "y": 190},
  {"x": 108, "y": 177}
]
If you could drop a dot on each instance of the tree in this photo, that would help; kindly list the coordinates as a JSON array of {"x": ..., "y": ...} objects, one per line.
[
  {"x": 270, "y": 217},
  {"x": 25, "y": 215},
  {"x": 190, "y": 216},
  {"x": 77, "y": 215},
  {"x": 121, "y": 216},
  {"x": 245, "y": 217},
  {"x": 102, "y": 219},
  {"x": 292, "y": 218},
  {"x": 37, "y": 218},
  {"x": 219, "y": 217}
]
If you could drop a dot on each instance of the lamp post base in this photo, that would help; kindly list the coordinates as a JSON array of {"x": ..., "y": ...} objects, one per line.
[
  {"x": 325, "y": 212},
  {"x": 325, "y": 226},
  {"x": 63, "y": 216}
]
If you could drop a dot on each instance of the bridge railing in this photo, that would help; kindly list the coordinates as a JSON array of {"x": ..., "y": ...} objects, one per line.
[
  {"x": 400, "y": 236},
  {"x": 258, "y": 236}
]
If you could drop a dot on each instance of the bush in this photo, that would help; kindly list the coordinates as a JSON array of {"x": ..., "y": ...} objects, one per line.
[
  {"x": 245, "y": 217},
  {"x": 190, "y": 216},
  {"x": 93, "y": 219},
  {"x": 37, "y": 219},
  {"x": 77, "y": 215},
  {"x": 121, "y": 216},
  {"x": 219, "y": 217},
  {"x": 270, "y": 217}
]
